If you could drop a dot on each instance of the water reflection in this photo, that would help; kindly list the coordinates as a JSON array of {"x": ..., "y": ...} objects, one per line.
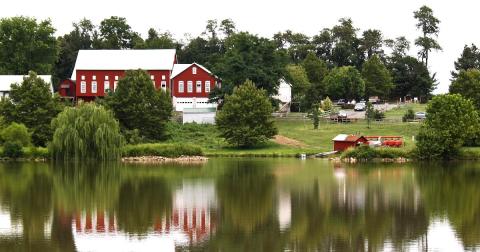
[{"x": 239, "y": 205}]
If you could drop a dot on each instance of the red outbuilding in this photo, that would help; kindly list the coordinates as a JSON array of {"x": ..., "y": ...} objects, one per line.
[
  {"x": 66, "y": 89},
  {"x": 343, "y": 142}
]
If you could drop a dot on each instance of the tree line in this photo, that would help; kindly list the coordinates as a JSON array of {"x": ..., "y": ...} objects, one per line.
[{"x": 339, "y": 62}]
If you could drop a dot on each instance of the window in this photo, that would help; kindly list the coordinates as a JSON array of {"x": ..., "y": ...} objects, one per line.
[
  {"x": 194, "y": 70},
  {"x": 83, "y": 87},
  {"x": 106, "y": 77},
  {"x": 94, "y": 87},
  {"x": 115, "y": 83},
  {"x": 83, "y": 77},
  {"x": 207, "y": 86},
  {"x": 181, "y": 87},
  {"x": 94, "y": 77},
  {"x": 116, "y": 77},
  {"x": 199, "y": 86},
  {"x": 152, "y": 77},
  {"x": 163, "y": 77},
  {"x": 106, "y": 86},
  {"x": 189, "y": 86},
  {"x": 164, "y": 85}
]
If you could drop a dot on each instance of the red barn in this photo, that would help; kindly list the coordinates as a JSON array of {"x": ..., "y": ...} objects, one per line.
[
  {"x": 97, "y": 72},
  {"x": 67, "y": 89},
  {"x": 343, "y": 141}
]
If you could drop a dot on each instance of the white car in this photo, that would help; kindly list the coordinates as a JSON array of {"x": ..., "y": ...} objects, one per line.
[{"x": 359, "y": 106}]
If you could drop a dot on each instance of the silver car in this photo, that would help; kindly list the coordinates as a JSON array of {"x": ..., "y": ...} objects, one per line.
[
  {"x": 420, "y": 115},
  {"x": 359, "y": 106}
]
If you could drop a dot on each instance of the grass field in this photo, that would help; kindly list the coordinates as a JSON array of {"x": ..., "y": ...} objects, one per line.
[{"x": 397, "y": 113}]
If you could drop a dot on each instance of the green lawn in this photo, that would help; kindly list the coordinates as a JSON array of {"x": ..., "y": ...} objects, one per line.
[{"x": 397, "y": 113}]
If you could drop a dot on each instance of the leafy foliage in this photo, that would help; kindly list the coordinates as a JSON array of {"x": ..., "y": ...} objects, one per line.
[
  {"x": 467, "y": 84},
  {"x": 88, "y": 131},
  {"x": 12, "y": 150},
  {"x": 428, "y": 24},
  {"x": 345, "y": 82},
  {"x": 32, "y": 104},
  {"x": 16, "y": 133},
  {"x": 378, "y": 81},
  {"x": 163, "y": 150},
  {"x": 327, "y": 104},
  {"x": 411, "y": 77},
  {"x": 26, "y": 45},
  {"x": 451, "y": 120},
  {"x": 409, "y": 115},
  {"x": 138, "y": 105},
  {"x": 470, "y": 58},
  {"x": 246, "y": 117}
]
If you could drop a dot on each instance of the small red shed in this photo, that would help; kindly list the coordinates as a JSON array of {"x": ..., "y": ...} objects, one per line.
[
  {"x": 67, "y": 88},
  {"x": 344, "y": 141}
]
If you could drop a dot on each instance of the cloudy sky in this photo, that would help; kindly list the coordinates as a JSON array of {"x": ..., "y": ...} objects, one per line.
[{"x": 394, "y": 18}]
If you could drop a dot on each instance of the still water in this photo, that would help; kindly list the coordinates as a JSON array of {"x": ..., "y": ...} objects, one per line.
[{"x": 240, "y": 205}]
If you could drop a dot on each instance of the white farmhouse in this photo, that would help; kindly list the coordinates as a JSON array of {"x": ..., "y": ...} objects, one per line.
[{"x": 7, "y": 80}]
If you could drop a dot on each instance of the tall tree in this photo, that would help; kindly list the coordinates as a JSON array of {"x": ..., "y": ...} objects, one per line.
[
  {"x": 116, "y": 33},
  {"x": 297, "y": 77},
  {"x": 323, "y": 44},
  {"x": 372, "y": 42},
  {"x": 467, "y": 84},
  {"x": 227, "y": 26},
  {"x": 428, "y": 24},
  {"x": 400, "y": 46},
  {"x": 297, "y": 45},
  {"x": 346, "y": 50},
  {"x": 250, "y": 57},
  {"x": 81, "y": 37},
  {"x": 469, "y": 59},
  {"x": 378, "y": 81},
  {"x": 344, "y": 82},
  {"x": 411, "y": 77},
  {"x": 27, "y": 45},
  {"x": 316, "y": 70},
  {"x": 31, "y": 103},
  {"x": 157, "y": 40},
  {"x": 137, "y": 105}
]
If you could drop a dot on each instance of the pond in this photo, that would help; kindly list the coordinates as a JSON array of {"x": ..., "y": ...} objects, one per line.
[{"x": 240, "y": 205}]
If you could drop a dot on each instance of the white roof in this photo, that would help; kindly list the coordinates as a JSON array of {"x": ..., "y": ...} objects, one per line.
[
  {"x": 155, "y": 59},
  {"x": 7, "y": 80},
  {"x": 179, "y": 68},
  {"x": 340, "y": 137}
]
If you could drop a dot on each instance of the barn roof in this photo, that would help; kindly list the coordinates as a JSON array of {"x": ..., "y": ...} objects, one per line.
[
  {"x": 347, "y": 138},
  {"x": 154, "y": 59},
  {"x": 179, "y": 68},
  {"x": 7, "y": 80}
]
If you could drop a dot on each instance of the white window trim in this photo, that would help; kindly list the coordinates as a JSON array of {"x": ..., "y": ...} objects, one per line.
[
  {"x": 194, "y": 70},
  {"x": 116, "y": 77},
  {"x": 94, "y": 87},
  {"x": 115, "y": 83},
  {"x": 106, "y": 86},
  {"x": 163, "y": 77},
  {"x": 152, "y": 77},
  {"x": 83, "y": 77},
  {"x": 198, "y": 86},
  {"x": 181, "y": 86},
  {"x": 106, "y": 77},
  {"x": 189, "y": 86},
  {"x": 83, "y": 87},
  {"x": 207, "y": 86},
  {"x": 163, "y": 85},
  {"x": 94, "y": 77}
]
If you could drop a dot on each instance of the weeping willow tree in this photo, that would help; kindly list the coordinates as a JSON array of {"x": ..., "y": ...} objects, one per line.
[{"x": 88, "y": 131}]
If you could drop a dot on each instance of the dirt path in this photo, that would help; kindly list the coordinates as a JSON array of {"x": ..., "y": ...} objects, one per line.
[{"x": 283, "y": 140}]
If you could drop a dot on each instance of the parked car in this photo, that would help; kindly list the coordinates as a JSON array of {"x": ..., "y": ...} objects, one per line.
[
  {"x": 359, "y": 106},
  {"x": 342, "y": 114},
  {"x": 420, "y": 115},
  {"x": 363, "y": 100},
  {"x": 340, "y": 102},
  {"x": 374, "y": 99}
]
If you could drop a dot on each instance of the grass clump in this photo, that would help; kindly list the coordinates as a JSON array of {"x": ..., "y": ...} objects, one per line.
[{"x": 163, "y": 150}]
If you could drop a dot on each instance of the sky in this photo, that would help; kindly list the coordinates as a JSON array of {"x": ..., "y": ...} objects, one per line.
[{"x": 266, "y": 17}]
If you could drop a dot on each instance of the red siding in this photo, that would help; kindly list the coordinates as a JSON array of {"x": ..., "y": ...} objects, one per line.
[
  {"x": 67, "y": 88},
  {"x": 186, "y": 76},
  {"x": 343, "y": 145},
  {"x": 100, "y": 78}
]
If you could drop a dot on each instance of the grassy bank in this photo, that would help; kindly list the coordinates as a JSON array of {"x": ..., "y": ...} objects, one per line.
[
  {"x": 163, "y": 150},
  {"x": 366, "y": 153}
]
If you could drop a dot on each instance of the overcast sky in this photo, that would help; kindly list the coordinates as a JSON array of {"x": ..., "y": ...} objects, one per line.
[{"x": 394, "y": 18}]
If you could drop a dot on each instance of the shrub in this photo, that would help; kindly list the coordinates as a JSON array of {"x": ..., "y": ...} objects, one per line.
[
  {"x": 378, "y": 115},
  {"x": 163, "y": 150},
  {"x": 12, "y": 150},
  {"x": 246, "y": 117},
  {"x": 17, "y": 133},
  {"x": 365, "y": 152},
  {"x": 327, "y": 104},
  {"x": 408, "y": 116},
  {"x": 88, "y": 131}
]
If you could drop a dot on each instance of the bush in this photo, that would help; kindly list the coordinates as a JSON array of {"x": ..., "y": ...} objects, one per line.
[
  {"x": 348, "y": 106},
  {"x": 12, "y": 150},
  {"x": 408, "y": 116},
  {"x": 365, "y": 152},
  {"x": 163, "y": 150},
  {"x": 17, "y": 133},
  {"x": 378, "y": 115},
  {"x": 327, "y": 104}
]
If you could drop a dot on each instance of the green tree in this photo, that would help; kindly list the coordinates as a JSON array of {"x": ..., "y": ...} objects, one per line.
[
  {"x": 378, "y": 81},
  {"x": 297, "y": 45},
  {"x": 369, "y": 113},
  {"x": 428, "y": 24},
  {"x": 323, "y": 44},
  {"x": 372, "y": 42},
  {"x": 467, "y": 84},
  {"x": 451, "y": 120},
  {"x": 250, "y": 57},
  {"x": 327, "y": 104},
  {"x": 32, "y": 104},
  {"x": 345, "y": 82},
  {"x": 116, "y": 33},
  {"x": 27, "y": 45},
  {"x": 88, "y": 131},
  {"x": 315, "y": 115},
  {"x": 156, "y": 40},
  {"x": 470, "y": 58},
  {"x": 316, "y": 70},
  {"x": 246, "y": 117},
  {"x": 411, "y": 77},
  {"x": 297, "y": 77},
  {"x": 137, "y": 105},
  {"x": 346, "y": 50},
  {"x": 80, "y": 38},
  {"x": 16, "y": 133},
  {"x": 399, "y": 46},
  {"x": 227, "y": 26}
]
